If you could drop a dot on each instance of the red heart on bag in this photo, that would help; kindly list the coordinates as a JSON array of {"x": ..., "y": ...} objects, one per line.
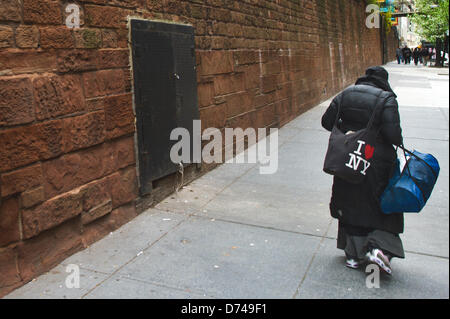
[{"x": 369, "y": 151}]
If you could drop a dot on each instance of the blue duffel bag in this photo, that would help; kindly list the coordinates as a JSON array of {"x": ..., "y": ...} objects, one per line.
[{"x": 409, "y": 190}]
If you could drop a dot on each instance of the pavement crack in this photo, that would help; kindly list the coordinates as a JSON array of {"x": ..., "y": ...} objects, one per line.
[{"x": 311, "y": 262}]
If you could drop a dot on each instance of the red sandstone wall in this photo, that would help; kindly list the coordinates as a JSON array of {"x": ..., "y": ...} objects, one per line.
[
  {"x": 392, "y": 44},
  {"x": 67, "y": 154}
]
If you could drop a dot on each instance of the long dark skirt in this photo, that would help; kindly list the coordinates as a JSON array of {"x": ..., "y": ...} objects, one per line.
[{"x": 357, "y": 241}]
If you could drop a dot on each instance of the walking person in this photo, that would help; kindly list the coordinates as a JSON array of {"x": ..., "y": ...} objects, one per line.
[
  {"x": 420, "y": 54},
  {"x": 416, "y": 56},
  {"x": 425, "y": 56},
  {"x": 399, "y": 55},
  {"x": 365, "y": 233},
  {"x": 407, "y": 55}
]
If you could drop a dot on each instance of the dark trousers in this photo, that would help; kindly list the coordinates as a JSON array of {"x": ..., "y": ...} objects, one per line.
[{"x": 357, "y": 241}]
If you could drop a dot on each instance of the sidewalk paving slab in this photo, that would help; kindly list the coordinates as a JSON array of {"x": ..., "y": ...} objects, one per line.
[{"x": 226, "y": 260}]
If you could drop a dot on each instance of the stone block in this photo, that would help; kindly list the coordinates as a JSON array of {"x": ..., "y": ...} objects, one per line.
[
  {"x": 57, "y": 95},
  {"x": 84, "y": 131},
  {"x": 42, "y": 11},
  {"x": 119, "y": 115},
  {"x": 21, "y": 180},
  {"x": 215, "y": 62},
  {"x": 16, "y": 103},
  {"x": 10, "y": 10},
  {"x": 58, "y": 37},
  {"x": 51, "y": 213},
  {"x": 104, "y": 82},
  {"x": 28, "y": 144},
  {"x": 27, "y": 36}
]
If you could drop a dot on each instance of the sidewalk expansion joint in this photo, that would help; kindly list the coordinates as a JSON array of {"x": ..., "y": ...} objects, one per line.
[
  {"x": 311, "y": 261},
  {"x": 264, "y": 227},
  {"x": 425, "y": 139},
  {"x": 426, "y": 254}
]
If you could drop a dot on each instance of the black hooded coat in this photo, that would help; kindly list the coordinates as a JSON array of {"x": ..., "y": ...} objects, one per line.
[{"x": 358, "y": 204}]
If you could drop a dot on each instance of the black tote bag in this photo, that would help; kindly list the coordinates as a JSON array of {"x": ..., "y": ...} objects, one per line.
[{"x": 349, "y": 155}]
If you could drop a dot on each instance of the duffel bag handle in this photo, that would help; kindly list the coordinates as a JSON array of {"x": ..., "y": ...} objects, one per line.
[{"x": 405, "y": 150}]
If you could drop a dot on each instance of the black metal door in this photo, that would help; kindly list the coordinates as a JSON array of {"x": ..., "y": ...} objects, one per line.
[{"x": 165, "y": 85}]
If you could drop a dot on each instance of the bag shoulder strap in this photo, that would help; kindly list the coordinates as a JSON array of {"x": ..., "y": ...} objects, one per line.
[
  {"x": 338, "y": 115},
  {"x": 379, "y": 105}
]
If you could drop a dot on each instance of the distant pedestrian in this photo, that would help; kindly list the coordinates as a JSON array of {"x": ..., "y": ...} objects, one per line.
[
  {"x": 416, "y": 56},
  {"x": 425, "y": 56},
  {"x": 420, "y": 54},
  {"x": 407, "y": 55},
  {"x": 399, "y": 55},
  {"x": 365, "y": 233}
]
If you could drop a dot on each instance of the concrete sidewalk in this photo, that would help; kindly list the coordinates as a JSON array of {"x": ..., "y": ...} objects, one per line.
[{"x": 237, "y": 234}]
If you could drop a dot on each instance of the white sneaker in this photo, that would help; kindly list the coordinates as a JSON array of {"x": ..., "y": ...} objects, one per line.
[
  {"x": 377, "y": 257},
  {"x": 353, "y": 264}
]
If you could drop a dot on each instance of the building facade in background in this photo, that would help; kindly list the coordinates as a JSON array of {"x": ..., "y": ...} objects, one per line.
[{"x": 406, "y": 28}]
